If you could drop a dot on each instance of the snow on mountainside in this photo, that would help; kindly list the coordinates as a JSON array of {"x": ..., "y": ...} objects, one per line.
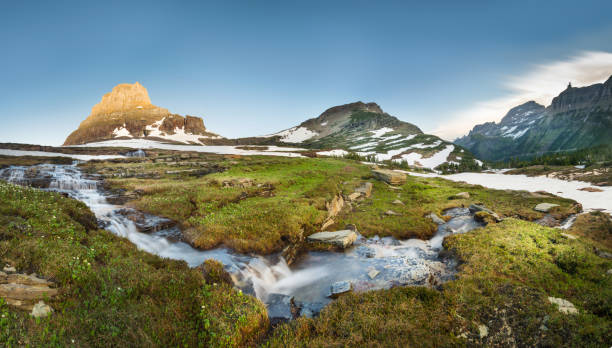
[{"x": 577, "y": 118}]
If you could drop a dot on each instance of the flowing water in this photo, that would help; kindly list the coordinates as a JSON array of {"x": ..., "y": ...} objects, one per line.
[{"x": 374, "y": 263}]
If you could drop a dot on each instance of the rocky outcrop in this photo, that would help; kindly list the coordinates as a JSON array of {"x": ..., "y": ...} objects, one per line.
[
  {"x": 23, "y": 291},
  {"x": 545, "y": 207},
  {"x": 389, "y": 176},
  {"x": 127, "y": 112}
]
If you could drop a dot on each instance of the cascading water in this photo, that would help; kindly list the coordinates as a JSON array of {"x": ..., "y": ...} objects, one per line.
[{"x": 374, "y": 263}]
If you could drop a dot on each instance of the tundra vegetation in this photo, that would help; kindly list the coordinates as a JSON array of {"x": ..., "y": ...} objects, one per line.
[{"x": 111, "y": 294}]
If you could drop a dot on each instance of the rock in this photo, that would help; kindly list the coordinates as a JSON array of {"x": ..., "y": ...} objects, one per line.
[
  {"x": 604, "y": 254},
  {"x": 339, "y": 288},
  {"x": 365, "y": 189},
  {"x": 475, "y": 208},
  {"x": 565, "y": 306},
  {"x": 392, "y": 213},
  {"x": 569, "y": 236},
  {"x": 389, "y": 176},
  {"x": 461, "y": 195},
  {"x": 335, "y": 206},
  {"x": 144, "y": 222},
  {"x": 609, "y": 272},
  {"x": 41, "y": 310},
  {"x": 398, "y": 202},
  {"x": 436, "y": 219},
  {"x": 240, "y": 182},
  {"x": 354, "y": 196},
  {"x": 310, "y": 309},
  {"x": 9, "y": 269},
  {"x": 281, "y": 308},
  {"x": 327, "y": 223},
  {"x": 373, "y": 273},
  {"x": 25, "y": 279},
  {"x": 485, "y": 217},
  {"x": 25, "y": 292},
  {"x": 590, "y": 189},
  {"x": 343, "y": 238},
  {"x": 548, "y": 220},
  {"x": 545, "y": 207},
  {"x": 483, "y": 331}
]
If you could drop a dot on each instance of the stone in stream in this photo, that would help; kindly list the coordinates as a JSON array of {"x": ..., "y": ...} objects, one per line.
[
  {"x": 339, "y": 288},
  {"x": 281, "y": 308},
  {"x": 343, "y": 238},
  {"x": 389, "y": 176},
  {"x": 436, "y": 219},
  {"x": 545, "y": 207},
  {"x": 474, "y": 208},
  {"x": 365, "y": 251},
  {"x": 144, "y": 222}
]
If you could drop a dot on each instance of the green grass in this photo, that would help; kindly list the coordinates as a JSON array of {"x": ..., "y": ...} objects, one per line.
[
  {"x": 110, "y": 293},
  {"x": 287, "y": 201},
  {"x": 507, "y": 272}
]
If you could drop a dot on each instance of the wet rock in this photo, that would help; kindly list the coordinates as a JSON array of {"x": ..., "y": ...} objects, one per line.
[
  {"x": 436, "y": 219},
  {"x": 339, "y": 288},
  {"x": 365, "y": 251},
  {"x": 475, "y": 208},
  {"x": 392, "y": 213},
  {"x": 548, "y": 220},
  {"x": 41, "y": 310},
  {"x": 545, "y": 207},
  {"x": 144, "y": 222},
  {"x": 310, "y": 309},
  {"x": 373, "y": 273},
  {"x": 398, "y": 202},
  {"x": 281, "y": 308},
  {"x": 565, "y": 306},
  {"x": 343, "y": 238},
  {"x": 365, "y": 189},
  {"x": 461, "y": 195},
  {"x": 389, "y": 176}
]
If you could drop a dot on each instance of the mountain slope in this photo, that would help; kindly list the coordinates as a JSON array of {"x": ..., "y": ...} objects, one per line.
[
  {"x": 127, "y": 112},
  {"x": 367, "y": 130},
  {"x": 577, "y": 118}
]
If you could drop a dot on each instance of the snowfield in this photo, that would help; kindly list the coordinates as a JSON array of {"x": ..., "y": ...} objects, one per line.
[
  {"x": 379, "y": 132},
  {"x": 223, "y": 150},
  {"x": 7, "y": 152},
  {"x": 567, "y": 189}
]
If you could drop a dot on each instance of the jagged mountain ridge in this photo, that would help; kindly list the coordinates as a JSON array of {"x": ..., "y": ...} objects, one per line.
[
  {"x": 127, "y": 112},
  {"x": 577, "y": 118}
]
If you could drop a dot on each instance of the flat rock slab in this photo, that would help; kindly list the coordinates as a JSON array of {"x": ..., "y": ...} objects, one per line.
[
  {"x": 26, "y": 292},
  {"x": 389, "y": 176},
  {"x": 339, "y": 288},
  {"x": 365, "y": 189},
  {"x": 565, "y": 306},
  {"x": 343, "y": 238},
  {"x": 545, "y": 207}
]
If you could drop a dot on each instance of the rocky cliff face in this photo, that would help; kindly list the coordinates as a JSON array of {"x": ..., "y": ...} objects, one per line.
[
  {"x": 577, "y": 118},
  {"x": 127, "y": 112}
]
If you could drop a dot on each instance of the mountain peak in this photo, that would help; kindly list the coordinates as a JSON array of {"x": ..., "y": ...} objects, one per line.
[
  {"x": 350, "y": 107},
  {"x": 123, "y": 97}
]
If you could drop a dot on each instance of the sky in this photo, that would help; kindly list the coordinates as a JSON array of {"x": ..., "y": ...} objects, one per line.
[{"x": 256, "y": 67}]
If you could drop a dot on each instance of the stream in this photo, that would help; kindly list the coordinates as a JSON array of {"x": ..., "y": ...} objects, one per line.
[{"x": 305, "y": 287}]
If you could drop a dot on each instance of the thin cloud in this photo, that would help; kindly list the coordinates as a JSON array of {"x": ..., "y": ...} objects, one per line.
[{"x": 542, "y": 83}]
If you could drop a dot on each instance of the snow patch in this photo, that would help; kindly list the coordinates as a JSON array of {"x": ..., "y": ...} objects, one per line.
[
  {"x": 121, "y": 132},
  {"x": 324, "y": 123},
  {"x": 379, "y": 132},
  {"x": 431, "y": 162},
  {"x": 294, "y": 135},
  {"x": 333, "y": 153}
]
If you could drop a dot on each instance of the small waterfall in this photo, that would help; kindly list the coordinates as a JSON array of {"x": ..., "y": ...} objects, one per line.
[{"x": 138, "y": 153}]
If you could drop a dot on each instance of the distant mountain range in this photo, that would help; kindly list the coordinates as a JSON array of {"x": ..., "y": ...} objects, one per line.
[
  {"x": 364, "y": 129},
  {"x": 577, "y": 118}
]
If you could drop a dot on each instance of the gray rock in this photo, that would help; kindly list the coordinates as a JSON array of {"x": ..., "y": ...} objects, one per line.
[
  {"x": 281, "y": 308},
  {"x": 365, "y": 251},
  {"x": 365, "y": 189},
  {"x": 398, "y": 202},
  {"x": 343, "y": 238},
  {"x": 474, "y": 208},
  {"x": 41, "y": 310},
  {"x": 389, "y": 176},
  {"x": 310, "y": 309},
  {"x": 609, "y": 272},
  {"x": 548, "y": 221},
  {"x": 565, "y": 306},
  {"x": 545, "y": 207},
  {"x": 9, "y": 269},
  {"x": 339, "y": 288},
  {"x": 392, "y": 213},
  {"x": 436, "y": 219}
]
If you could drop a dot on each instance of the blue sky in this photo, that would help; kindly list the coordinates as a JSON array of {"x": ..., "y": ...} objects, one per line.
[{"x": 256, "y": 67}]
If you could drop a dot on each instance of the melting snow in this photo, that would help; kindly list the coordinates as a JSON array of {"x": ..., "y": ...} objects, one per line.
[
  {"x": 121, "y": 132},
  {"x": 379, "y": 132},
  {"x": 431, "y": 162},
  {"x": 294, "y": 135},
  {"x": 362, "y": 146},
  {"x": 333, "y": 153}
]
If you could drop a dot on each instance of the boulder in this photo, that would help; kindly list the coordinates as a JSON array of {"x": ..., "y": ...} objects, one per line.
[
  {"x": 41, "y": 310},
  {"x": 365, "y": 189},
  {"x": 436, "y": 219},
  {"x": 25, "y": 292},
  {"x": 548, "y": 221},
  {"x": 545, "y": 207},
  {"x": 565, "y": 306},
  {"x": 281, "y": 308},
  {"x": 310, "y": 309},
  {"x": 474, "y": 208},
  {"x": 335, "y": 206},
  {"x": 461, "y": 195},
  {"x": 339, "y": 288},
  {"x": 389, "y": 176},
  {"x": 9, "y": 269},
  {"x": 343, "y": 238}
]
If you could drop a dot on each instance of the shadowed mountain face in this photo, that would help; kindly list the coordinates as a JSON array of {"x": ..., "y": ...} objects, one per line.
[
  {"x": 577, "y": 118},
  {"x": 127, "y": 112}
]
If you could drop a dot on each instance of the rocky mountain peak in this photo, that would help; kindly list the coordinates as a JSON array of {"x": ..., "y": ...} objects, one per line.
[
  {"x": 576, "y": 98},
  {"x": 348, "y": 108},
  {"x": 123, "y": 97},
  {"x": 522, "y": 112}
]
